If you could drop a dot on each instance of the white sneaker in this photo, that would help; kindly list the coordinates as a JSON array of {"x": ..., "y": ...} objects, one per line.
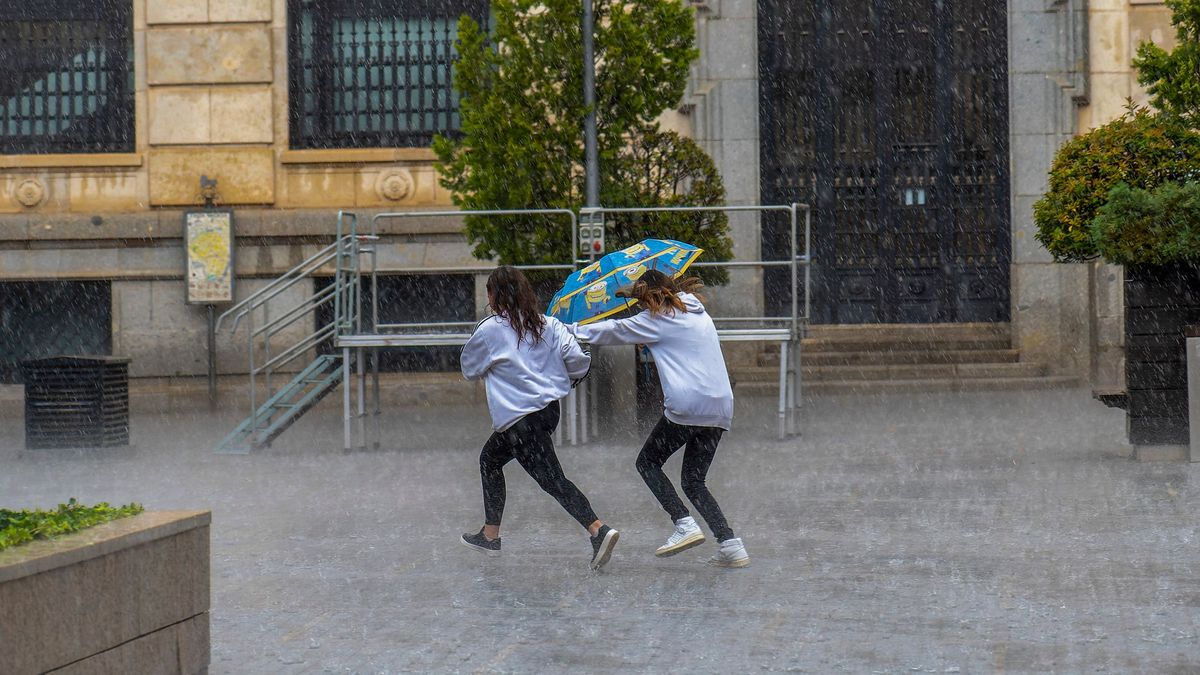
[
  {"x": 686, "y": 535},
  {"x": 731, "y": 553}
]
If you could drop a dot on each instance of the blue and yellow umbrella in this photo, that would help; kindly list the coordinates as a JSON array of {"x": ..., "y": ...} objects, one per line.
[{"x": 590, "y": 294}]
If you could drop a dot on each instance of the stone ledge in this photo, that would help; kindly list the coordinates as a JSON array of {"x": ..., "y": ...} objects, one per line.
[
  {"x": 71, "y": 161},
  {"x": 91, "y": 594},
  {"x": 43, "y": 555},
  {"x": 357, "y": 156},
  {"x": 178, "y": 648}
]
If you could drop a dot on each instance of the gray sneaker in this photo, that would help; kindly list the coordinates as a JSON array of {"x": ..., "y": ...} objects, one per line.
[
  {"x": 686, "y": 535},
  {"x": 731, "y": 553}
]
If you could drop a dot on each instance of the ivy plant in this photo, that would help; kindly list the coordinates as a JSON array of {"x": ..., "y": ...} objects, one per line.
[{"x": 19, "y": 527}]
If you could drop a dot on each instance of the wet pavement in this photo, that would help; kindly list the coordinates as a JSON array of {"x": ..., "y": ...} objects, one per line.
[{"x": 1001, "y": 532}]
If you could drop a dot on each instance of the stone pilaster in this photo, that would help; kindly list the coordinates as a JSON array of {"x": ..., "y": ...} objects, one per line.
[
  {"x": 722, "y": 102},
  {"x": 1049, "y": 80},
  {"x": 209, "y": 69}
]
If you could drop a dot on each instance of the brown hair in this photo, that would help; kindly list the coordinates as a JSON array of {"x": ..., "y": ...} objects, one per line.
[
  {"x": 657, "y": 291},
  {"x": 512, "y": 297}
]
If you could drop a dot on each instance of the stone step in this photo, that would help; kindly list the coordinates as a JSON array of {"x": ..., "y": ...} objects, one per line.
[
  {"x": 885, "y": 343},
  {"x": 918, "y": 333},
  {"x": 907, "y": 337},
  {"x": 770, "y": 389},
  {"x": 923, "y": 371},
  {"x": 897, "y": 357}
]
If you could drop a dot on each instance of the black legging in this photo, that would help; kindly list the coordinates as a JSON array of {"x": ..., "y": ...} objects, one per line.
[
  {"x": 529, "y": 442},
  {"x": 701, "y": 443}
]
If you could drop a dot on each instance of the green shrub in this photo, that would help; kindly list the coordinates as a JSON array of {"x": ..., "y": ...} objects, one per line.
[
  {"x": 1139, "y": 149},
  {"x": 18, "y": 527},
  {"x": 1149, "y": 227}
]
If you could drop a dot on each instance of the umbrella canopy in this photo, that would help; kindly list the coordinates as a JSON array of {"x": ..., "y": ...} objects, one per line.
[{"x": 590, "y": 294}]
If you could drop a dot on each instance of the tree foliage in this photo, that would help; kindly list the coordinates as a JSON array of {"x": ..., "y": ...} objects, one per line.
[
  {"x": 522, "y": 112},
  {"x": 1139, "y": 149},
  {"x": 1173, "y": 77},
  {"x": 1150, "y": 227}
]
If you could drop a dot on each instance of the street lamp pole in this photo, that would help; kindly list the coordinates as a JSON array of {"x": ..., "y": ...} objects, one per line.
[{"x": 591, "y": 150}]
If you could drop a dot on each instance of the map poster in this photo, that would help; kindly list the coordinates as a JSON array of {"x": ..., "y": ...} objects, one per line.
[{"x": 208, "y": 249}]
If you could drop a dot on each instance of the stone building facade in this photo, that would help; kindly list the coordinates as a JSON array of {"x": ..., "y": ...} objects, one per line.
[
  {"x": 214, "y": 94},
  {"x": 1068, "y": 70}
]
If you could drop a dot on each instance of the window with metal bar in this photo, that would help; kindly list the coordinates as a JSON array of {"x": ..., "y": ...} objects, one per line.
[
  {"x": 66, "y": 76},
  {"x": 367, "y": 74}
]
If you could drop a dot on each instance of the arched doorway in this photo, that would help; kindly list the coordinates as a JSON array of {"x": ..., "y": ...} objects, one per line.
[{"x": 890, "y": 117}]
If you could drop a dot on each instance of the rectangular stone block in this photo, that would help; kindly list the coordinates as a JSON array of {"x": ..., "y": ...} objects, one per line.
[
  {"x": 1034, "y": 154},
  {"x": 1109, "y": 92},
  {"x": 739, "y": 109},
  {"x": 107, "y": 192},
  {"x": 244, "y": 175},
  {"x": 371, "y": 193},
  {"x": 176, "y": 11},
  {"x": 732, "y": 56},
  {"x": 209, "y": 55},
  {"x": 181, "y": 648},
  {"x": 180, "y": 116},
  {"x": 1153, "y": 24},
  {"x": 1026, "y": 247},
  {"x": 242, "y": 115},
  {"x": 317, "y": 188},
  {"x": 68, "y": 599},
  {"x": 221, "y": 11},
  {"x": 1108, "y": 42}
]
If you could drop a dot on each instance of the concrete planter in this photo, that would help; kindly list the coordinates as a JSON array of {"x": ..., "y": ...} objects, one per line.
[
  {"x": 1160, "y": 303},
  {"x": 130, "y": 596}
]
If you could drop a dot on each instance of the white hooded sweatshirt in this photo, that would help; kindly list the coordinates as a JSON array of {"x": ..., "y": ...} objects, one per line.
[
  {"x": 687, "y": 351},
  {"x": 522, "y": 379}
]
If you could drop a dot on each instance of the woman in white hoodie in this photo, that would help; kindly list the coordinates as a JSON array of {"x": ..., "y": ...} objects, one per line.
[
  {"x": 529, "y": 362},
  {"x": 697, "y": 398}
]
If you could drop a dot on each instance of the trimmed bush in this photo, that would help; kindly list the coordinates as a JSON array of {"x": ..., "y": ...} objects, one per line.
[
  {"x": 19, "y": 527},
  {"x": 1149, "y": 227},
  {"x": 1139, "y": 149}
]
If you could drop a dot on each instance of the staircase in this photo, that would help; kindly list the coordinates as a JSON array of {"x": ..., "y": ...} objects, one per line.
[
  {"x": 905, "y": 358},
  {"x": 289, "y": 404},
  {"x": 279, "y": 335}
]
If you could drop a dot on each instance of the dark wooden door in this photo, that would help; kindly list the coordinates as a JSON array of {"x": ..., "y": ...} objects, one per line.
[{"x": 890, "y": 117}]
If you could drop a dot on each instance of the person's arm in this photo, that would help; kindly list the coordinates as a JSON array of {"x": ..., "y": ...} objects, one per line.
[
  {"x": 476, "y": 354},
  {"x": 574, "y": 356},
  {"x": 644, "y": 328}
]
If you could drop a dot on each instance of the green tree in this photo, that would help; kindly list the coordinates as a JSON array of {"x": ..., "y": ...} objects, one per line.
[
  {"x": 1173, "y": 77},
  {"x": 522, "y": 112},
  {"x": 1140, "y": 149},
  {"x": 1149, "y": 227}
]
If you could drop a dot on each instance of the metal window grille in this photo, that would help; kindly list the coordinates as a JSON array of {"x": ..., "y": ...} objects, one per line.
[
  {"x": 891, "y": 118},
  {"x": 368, "y": 74},
  {"x": 66, "y": 76}
]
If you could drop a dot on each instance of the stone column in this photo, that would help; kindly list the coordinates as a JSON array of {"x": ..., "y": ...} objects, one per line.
[
  {"x": 1048, "y": 78},
  {"x": 722, "y": 102},
  {"x": 209, "y": 69}
]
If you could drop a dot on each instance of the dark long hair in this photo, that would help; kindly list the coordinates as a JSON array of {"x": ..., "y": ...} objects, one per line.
[
  {"x": 513, "y": 298},
  {"x": 657, "y": 291}
]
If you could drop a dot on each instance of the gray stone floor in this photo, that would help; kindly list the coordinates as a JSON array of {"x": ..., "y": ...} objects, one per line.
[{"x": 925, "y": 533}]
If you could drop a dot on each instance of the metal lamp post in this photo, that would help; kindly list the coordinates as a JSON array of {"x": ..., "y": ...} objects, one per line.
[{"x": 591, "y": 150}]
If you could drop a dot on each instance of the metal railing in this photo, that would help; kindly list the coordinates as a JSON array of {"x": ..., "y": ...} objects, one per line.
[
  {"x": 786, "y": 331},
  {"x": 346, "y": 330},
  {"x": 263, "y": 331}
]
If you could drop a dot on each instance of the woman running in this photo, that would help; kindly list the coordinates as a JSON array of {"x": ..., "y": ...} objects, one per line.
[
  {"x": 697, "y": 398},
  {"x": 529, "y": 362}
]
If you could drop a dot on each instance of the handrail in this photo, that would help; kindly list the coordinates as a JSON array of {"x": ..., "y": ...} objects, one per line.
[
  {"x": 299, "y": 348},
  {"x": 318, "y": 299},
  {"x": 284, "y": 282}
]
